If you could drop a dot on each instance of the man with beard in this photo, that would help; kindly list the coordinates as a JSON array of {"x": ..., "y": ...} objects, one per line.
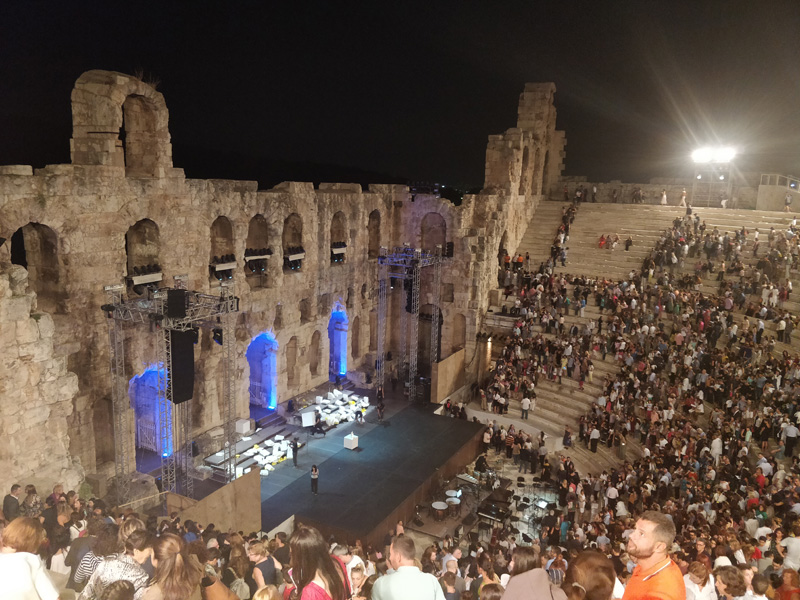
[{"x": 655, "y": 577}]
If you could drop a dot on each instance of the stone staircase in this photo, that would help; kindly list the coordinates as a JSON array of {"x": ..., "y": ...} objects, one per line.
[
  {"x": 560, "y": 405},
  {"x": 540, "y": 233}
]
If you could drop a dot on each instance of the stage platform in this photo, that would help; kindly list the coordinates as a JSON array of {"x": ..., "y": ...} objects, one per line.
[{"x": 362, "y": 493}]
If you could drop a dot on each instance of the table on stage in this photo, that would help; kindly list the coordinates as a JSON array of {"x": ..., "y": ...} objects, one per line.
[{"x": 351, "y": 441}]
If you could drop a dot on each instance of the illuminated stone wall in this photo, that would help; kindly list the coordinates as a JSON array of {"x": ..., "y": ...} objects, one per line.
[{"x": 122, "y": 190}]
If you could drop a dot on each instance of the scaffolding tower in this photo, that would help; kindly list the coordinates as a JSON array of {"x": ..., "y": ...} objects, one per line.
[
  {"x": 202, "y": 310},
  {"x": 406, "y": 264}
]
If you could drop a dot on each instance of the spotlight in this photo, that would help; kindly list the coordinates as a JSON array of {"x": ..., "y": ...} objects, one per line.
[
  {"x": 722, "y": 154},
  {"x": 722, "y": 177},
  {"x": 699, "y": 176},
  {"x": 216, "y": 334}
]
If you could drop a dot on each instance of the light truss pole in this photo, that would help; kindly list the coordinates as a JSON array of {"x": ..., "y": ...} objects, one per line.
[
  {"x": 380, "y": 366},
  {"x": 406, "y": 264},
  {"x": 202, "y": 310}
]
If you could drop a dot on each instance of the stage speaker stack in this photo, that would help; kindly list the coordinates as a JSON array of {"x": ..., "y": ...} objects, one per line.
[{"x": 182, "y": 365}]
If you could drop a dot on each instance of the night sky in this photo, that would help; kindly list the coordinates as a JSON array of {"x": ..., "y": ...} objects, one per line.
[{"x": 410, "y": 91}]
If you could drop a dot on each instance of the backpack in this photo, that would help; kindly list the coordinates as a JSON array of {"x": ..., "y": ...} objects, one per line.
[{"x": 239, "y": 587}]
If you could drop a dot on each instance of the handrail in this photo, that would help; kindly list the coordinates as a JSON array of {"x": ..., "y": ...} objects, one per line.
[{"x": 158, "y": 495}]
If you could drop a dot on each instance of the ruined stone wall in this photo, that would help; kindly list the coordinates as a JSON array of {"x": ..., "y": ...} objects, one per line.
[{"x": 75, "y": 218}]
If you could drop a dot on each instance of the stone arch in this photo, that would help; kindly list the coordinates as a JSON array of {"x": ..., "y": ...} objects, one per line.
[
  {"x": 291, "y": 363},
  {"x": 262, "y": 357},
  {"x": 338, "y": 228},
  {"x": 433, "y": 232},
  {"x": 313, "y": 353},
  {"x": 120, "y": 121},
  {"x": 35, "y": 247},
  {"x": 257, "y": 245},
  {"x": 291, "y": 238},
  {"x": 145, "y": 393},
  {"x": 221, "y": 238},
  {"x": 524, "y": 175},
  {"x": 142, "y": 245},
  {"x": 355, "y": 351},
  {"x": 459, "y": 337},
  {"x": 374, "y": 234}
]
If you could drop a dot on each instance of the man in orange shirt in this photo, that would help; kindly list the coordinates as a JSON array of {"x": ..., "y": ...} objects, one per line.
[{"x": 655, "y": 577}]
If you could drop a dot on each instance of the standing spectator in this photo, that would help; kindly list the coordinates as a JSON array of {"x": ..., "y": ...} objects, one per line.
[
  {"x": 407, "y": 581},
  {"x": 655, "y": 575},
  {"x": 316, "y": 574},
  {"x": 32, "y": 504},
  {"x": 314, "y": 479},
  {"x": 11, "y": 503}
]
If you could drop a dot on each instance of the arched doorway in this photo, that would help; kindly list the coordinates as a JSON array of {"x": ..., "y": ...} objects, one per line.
[
  {"x": 145, "y": 395},
  {"x": 356, "y": 339},
  {"x": 337, "y": 337},
  {"x": 262, "y": 356}
]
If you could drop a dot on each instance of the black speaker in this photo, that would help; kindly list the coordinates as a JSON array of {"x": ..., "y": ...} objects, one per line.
[
  {"x": 182, "y": 365},
  {"x": 176, "y": 304},
  {"x": 195, "y": 449},
  {"x": 449, "y": 248}
]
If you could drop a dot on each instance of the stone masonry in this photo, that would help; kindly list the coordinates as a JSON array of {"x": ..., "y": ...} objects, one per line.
[{"x": 122, "y": 203}]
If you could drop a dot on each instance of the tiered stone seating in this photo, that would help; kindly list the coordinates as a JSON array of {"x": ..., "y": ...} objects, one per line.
[{"x": 541, "y": 231}]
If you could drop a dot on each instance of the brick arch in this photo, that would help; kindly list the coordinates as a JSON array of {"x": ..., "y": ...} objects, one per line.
[{"x": 120, "y": 121}]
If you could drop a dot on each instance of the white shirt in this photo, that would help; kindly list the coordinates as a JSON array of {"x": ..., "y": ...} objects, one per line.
[
  {"x": 406, "y": 583},
  {"x": 792, "y": 558},
  {"x": 24, "y": 577},
  {"x": 694, "y": 592}
]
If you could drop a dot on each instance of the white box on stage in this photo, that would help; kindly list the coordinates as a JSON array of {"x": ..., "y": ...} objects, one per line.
[
  {"x": 244, "y": 426},
  {"x": 309, "y": 418},
  {"x": 351, "y": 441}
]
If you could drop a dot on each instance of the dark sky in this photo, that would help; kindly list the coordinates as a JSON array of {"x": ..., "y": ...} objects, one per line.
[{"x": 412, "y": 90}]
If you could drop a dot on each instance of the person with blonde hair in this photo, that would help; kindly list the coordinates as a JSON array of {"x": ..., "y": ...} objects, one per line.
[
  {"x": 266, "y": 570},
  {"x": 177, "y": 575},
  {"x": 22, "y": 573},
  {"x": 268, "y": 592}
]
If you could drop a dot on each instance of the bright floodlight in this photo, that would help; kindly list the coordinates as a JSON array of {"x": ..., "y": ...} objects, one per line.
[{"x": 723, "y": 154}]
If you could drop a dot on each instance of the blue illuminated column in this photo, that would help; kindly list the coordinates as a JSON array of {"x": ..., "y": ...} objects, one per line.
[
  {"x": 145, "y": 395},
  {"x": 262, "y": 356}
]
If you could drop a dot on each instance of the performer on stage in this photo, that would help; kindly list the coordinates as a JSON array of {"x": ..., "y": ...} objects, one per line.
[
  {"x": 318, "y": 425},
  {"x": 314, "y": 479}
]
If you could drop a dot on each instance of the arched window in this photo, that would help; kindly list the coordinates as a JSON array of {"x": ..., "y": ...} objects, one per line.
[
  {"x": 337, "y": 336},
  {"x": 256, "y": 249},
  {"x": 338, "y": 238},
  {"x": 222, "y": 249},
  {"x": 35, "y": 247},
  {"x": 502, "y": 249},
  {"x": 292, "y": 243},
  {"x": 142, "y": 247},
  {"x": 545, "y": 177},
  {"x": 374, "y": 234},
  {"x": 138, "y": 134},
  {"x": 433, "y": 232}
]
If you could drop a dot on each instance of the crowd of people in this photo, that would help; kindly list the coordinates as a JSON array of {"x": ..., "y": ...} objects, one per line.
[
  {"x": 711, "y": 401},
  {"x": 711, "y": 508}
]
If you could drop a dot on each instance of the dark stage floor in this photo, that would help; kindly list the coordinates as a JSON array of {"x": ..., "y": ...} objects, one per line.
[{"x": 358, "y": 489}]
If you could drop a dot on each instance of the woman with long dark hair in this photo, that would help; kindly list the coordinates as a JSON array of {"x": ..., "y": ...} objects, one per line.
[{"x": 315, "y": 573}]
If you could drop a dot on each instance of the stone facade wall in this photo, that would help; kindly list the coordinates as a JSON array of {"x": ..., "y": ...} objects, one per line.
[{"x": 75, "y": 218}]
